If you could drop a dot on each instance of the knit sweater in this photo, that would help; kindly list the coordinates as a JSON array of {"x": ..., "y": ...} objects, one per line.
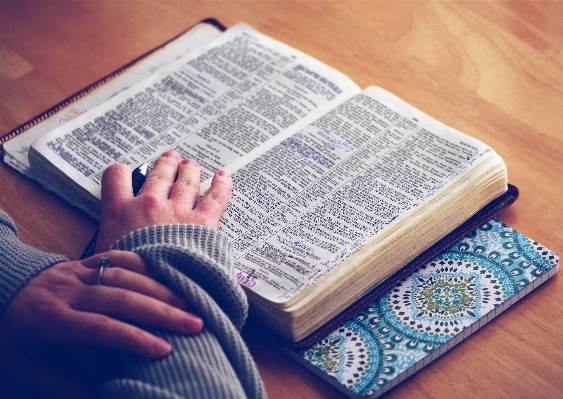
[{"x": 196, "y": 262}]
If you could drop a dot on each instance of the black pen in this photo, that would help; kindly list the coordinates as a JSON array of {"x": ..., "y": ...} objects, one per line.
[{"x": 138, "y": 179}]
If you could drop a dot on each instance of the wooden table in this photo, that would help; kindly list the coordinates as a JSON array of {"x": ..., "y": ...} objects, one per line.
[{"x": 491, "y": 69}]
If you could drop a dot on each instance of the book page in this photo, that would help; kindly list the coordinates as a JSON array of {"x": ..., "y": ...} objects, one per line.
[
  {"x": 16, "y": 149},
  {"x": 226, "y": 100},
  {"x": 318, "y": 197}
]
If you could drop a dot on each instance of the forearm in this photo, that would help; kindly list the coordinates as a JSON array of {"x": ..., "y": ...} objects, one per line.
[{"x": 19, "y": 262}]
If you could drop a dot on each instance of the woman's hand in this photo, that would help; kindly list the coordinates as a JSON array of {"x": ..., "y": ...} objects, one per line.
[
  {"x": 65, "y": 304},
  {"x": 168, "y": 196}
]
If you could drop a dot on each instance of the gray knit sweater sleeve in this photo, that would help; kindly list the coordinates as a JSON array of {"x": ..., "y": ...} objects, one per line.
[
  {"x": 196, "y": 262},
  {"x": 18, "y": 262}
]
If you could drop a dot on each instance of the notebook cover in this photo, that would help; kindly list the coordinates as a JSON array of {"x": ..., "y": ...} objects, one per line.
[
  {"x": 430, "y": 311},
  {"x": 485, "y": 214},
  {"x": 81, "y": 93}
]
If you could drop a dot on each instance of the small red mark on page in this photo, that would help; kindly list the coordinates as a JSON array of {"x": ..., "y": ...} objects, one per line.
[{"x": 70, "y": 115}]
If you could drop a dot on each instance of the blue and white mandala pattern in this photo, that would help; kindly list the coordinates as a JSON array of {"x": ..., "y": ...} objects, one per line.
[
  {"x": 445, "y": 296},
  {"x": 348, "y": 354},
  {"x": 425, "y": 310}
]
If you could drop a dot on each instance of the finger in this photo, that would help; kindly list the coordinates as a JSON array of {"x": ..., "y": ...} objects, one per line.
[
  {"x": 216, "y": 199},
  {"x": 117, "y": 259},
  {"x": 186, "y": 187},
  {"x": 96, "y": 329},
  {"x": 159, "y": 182},
  {"x": 129, "y": 271},
  {"x": 116, "y": 183},
  {"x": 137, "y": 308},
  {"x": 124, "y": 259},
  {"x": 135, "y": 282}
]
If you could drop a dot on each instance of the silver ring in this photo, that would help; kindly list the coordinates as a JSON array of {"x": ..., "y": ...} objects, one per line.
[{"x": 103, "y": 262}]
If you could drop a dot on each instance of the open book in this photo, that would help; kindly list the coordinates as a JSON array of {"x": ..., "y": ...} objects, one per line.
[{"x": 335, "y": 188}]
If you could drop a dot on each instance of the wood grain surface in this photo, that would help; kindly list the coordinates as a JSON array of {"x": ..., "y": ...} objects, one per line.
[{"x": 491, "y": 69}]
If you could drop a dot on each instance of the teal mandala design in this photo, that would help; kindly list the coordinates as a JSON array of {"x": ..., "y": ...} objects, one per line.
[
  {"x": 425, "y": 310},
  {"x": 445, "y": 296},
  {"x": 348, "y": 354},
  {"x": 530, "y": 249}
]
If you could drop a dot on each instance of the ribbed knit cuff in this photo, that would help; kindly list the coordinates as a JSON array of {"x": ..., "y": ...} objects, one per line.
[
  {"x": 198, "y": 239},
  {"x": 201, "y": 254},
  {"x": 19, "y": 262}
]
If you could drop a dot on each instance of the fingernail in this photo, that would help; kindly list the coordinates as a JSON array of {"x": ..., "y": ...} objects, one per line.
[
  {"x": 189, "y": 161},
  {"x": 161, "y": 347},
  {"x": 223, "y": 173},
  {"x": 172, "y": 154}
]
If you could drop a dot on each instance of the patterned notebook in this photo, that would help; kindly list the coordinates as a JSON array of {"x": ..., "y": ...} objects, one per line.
[{"x": 429, "y": 312}]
